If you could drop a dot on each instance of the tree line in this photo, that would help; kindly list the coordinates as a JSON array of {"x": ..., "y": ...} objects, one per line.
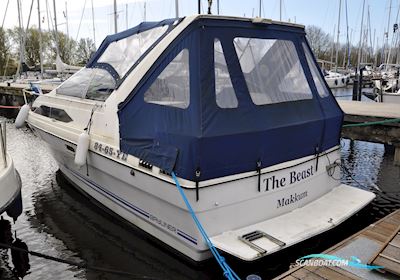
[
  {"x": 71, "y": 51},
  {"x": 324, "y": 48}
]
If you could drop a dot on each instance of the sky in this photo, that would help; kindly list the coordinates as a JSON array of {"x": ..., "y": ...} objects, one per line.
[{"x": 322, "y": 13}]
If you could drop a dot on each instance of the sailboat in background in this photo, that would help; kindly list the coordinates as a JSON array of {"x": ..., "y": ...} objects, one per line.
[{"x": 335, "y": 79}]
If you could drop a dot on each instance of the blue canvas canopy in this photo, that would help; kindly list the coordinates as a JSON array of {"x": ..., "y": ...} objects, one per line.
[{"x": 230, "y": 96}]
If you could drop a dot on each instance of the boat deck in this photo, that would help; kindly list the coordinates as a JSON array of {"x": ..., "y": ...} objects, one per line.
[{"x": 379, "y": 235}]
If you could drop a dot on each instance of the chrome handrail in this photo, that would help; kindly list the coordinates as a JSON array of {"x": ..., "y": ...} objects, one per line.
[{"x": 3, "y": 142}]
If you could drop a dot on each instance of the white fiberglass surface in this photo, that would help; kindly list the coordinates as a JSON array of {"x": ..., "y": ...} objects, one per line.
[
  {"x": 224, "y": 91},
  {"x": 89, "y": 83},
  {"x": 123, "y": 54},
  {"x": 272, "y": 70},
  {"x": 172, "y": 87}
]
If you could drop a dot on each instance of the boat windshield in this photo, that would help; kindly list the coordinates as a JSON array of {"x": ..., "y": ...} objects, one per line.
[
  {"x": 89, "y": 83},
  {"x": 124, "y": 53}
]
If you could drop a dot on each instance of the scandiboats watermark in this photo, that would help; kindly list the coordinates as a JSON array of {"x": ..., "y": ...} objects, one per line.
[{"x": 330, "y": 260}]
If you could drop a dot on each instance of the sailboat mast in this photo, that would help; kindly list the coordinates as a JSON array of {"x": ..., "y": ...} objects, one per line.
[
  {"x": 177, "y": 8},
  {"x": 387, "y": 33},
  {"x": 218, "y": 7},
  {"x": 5, "y": 13},
  {"x": 361, "y": 33},
  {"x": 55, "y": 27},
  {"x": 115, "y": 17},
  {"x": 280, "y": 10},
  {"x": 347, "y": 38},
  {"x": 259, "y": 9},
  {"x": 66, "y": 18},
  {"x": 21, "y": 48},
  {"x": 40, "y": 41},
  {"x": 198, "y": 7},
  {"x": 337, "y": 38},
  {"x": 126, "y": 15},
  {"x": 333, "y": 45},
  {"x": 94, "y": 30}
]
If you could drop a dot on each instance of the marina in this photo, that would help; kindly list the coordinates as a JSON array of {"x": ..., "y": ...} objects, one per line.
[{"x": 199, "y": 145}]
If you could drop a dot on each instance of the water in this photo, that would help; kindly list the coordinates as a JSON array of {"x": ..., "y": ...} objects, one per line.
[{"x": 58, "y": 220}]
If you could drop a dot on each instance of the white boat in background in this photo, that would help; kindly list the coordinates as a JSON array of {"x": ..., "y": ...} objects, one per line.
[
  {"x": 159, "y": 99},
  {"x": 384, "y": 97},
  {"x": 10, "y": 182},
  {"x": 336, "y": 80}
]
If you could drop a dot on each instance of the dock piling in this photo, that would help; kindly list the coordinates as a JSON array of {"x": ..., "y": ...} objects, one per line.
[
  {"x": 360, "y": 84},
  {"x": 396, "y": 158},
  {"x": 355, "y": 90}
]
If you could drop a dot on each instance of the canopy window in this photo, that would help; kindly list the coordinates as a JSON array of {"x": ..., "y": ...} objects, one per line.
[
  {"x": 272, "y": 70},
  {"x": 322, "y": 89},
  {"x": 123, "y": 54},
  {"x": 88, "y": 83},
  {"x": 224, "y": 93},
  {"x": 171, "y": 88}
]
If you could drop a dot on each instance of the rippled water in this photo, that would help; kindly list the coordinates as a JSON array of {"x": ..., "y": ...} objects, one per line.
[{"x": 58, "y": 220}]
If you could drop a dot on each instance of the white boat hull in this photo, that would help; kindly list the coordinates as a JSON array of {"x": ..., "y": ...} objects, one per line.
[
  {"x": 391, "y": 97},
  {"x": 10, "y": 184},
  {"x": 155, "y": 206},
  {"x": 336, "y": 82}
]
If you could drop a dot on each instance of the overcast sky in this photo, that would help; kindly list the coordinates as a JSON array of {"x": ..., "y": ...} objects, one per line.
[{"x": 323, "y": 13}]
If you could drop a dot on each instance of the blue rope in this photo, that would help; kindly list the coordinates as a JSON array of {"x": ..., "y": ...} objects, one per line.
[{"x": 228, "y": 272}]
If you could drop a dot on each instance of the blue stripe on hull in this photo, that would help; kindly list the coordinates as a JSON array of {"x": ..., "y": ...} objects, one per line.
[{"x": 126, "y": 204}]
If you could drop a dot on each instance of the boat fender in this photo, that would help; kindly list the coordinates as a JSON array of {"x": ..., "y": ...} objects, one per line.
[
  {"x": 22, "y": 116},
  {"x": 82, "y": 149},
  {"x": 336, "y": 82}
]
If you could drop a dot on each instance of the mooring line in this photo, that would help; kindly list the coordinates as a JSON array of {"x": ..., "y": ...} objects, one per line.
[
  {"x": 372, "y": 123},
  {"x": 9, "y": 107},
  {"x": 76, "y": 264}
]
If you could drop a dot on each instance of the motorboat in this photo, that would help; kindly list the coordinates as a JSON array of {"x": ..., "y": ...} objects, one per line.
[
  {"x": 10, "y": 181},
  {"x": 384, "y": 96},
  {"x": 236, "y": 108}
]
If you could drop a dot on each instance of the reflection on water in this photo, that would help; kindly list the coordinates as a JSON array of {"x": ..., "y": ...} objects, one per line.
[{"x": 59, "y": 221}]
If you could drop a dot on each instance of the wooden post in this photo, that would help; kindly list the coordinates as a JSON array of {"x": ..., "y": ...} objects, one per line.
[
  {"x": 360, "y": 84},
  {"x": 355, "y": 89},
  {"x": 396, "y": 159}
]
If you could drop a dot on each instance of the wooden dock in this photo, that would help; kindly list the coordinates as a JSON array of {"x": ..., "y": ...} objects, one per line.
[
  {"x": 16, "y": 89},
  {"x": 357, "y": 112},
  {"x": 380, "y": 233}
]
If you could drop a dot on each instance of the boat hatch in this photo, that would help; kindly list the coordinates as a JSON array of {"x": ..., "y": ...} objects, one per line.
[{"x": 257, "y": 240}]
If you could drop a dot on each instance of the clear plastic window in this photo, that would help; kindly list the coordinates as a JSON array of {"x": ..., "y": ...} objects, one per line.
[
  {"x": 323, "y": 91},
  {"x": 89, "y": 83},
  {"x": 272, "y": 70},
  {"x": 123, "y": 54},
  {"x": 171, "y": 88},
  {"x": 224, "y": 92}
]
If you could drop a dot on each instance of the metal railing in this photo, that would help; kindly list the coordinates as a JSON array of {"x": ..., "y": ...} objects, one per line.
[{"x": 3, "y": 144}]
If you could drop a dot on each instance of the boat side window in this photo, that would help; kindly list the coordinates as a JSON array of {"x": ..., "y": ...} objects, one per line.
[
  {"x": 272, "y": 70},
  {"x": 90, "y": 83},
  {"x": 224, "y": 92},
  {"x": 172, "y": 86},
  {"x": 53, "y": 113},
  {"x": 123, "y": 54},
  {"x": 322, "y": 89}
]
